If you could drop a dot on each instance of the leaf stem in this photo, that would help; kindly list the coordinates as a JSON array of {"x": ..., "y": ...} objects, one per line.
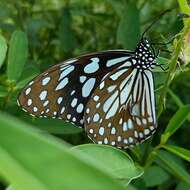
[{"x": 172, "y": 67}]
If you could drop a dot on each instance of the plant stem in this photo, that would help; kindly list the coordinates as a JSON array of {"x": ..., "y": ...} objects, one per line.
[{"x": 172, "y": 67}]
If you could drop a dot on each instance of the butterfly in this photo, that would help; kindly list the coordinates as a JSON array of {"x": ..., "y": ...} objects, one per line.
[{"x": 110, "y": 94}]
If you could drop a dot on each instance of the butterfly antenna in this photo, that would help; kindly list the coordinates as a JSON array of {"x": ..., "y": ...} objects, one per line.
[
  {"x": 155, "y": 21},
  {"x": 164, "y": 44}
]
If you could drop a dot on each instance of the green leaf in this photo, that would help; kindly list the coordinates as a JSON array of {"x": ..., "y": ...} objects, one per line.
[
  {"x": 175, "y": 98},
  {"x": 3, "y": 91},
  {"x": 183, "y": 153},
  {"x": 65, "y": 32},
  {"x": 161, "y": 61},
  {"x": 176, "y": 122},
  {"x": 170, "y": 164},
  {"x": 113, "y": 161},
  {"x": 17, "y": 56},
  {"x": 117, "y": 5},
  {"x": 183, "y": 4},
  {"x": 32, "y": 160},
  {"x": 56, "y": 126},
  {"x": 128, "y": 32},
  {"x": 29, "y": 72},
  {"x": 3, "y": 49},
  {"x": 9, "y": 188},
  {"x": 157, "y": 175},
  {"x": 182, "y": 186}
]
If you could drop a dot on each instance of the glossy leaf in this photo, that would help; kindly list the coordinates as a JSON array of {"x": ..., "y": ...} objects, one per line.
[
  {"x": 17, "y": 55},
  {"x": 113, "y": 161},
  {"x": 65, "y": 33},
  {"x": 157, "y": 175},
  {"x": 56, "y": 126},
  {"x": 181, "y": 152},
  {"x": 170, "y": 164},
  {"x": 182, "y": 186},
  {"x": 29, "y": 72},
  {"x": 128, "y": 32},
  {"x": 176, "y": 122},
  {"x": 3, "y": 49},
  {"x": 31, "y": 160}
]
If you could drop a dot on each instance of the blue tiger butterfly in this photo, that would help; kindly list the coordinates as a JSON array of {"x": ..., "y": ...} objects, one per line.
[{"x": 110, "y": 94}]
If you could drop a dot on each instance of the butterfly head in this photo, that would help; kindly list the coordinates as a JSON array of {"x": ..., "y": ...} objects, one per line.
[{"x": 145, "y": 54}]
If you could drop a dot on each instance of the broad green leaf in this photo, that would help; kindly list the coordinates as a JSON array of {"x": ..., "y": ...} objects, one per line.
[
  {"x": 157, "y": 175},
  {"x": 3, "y": 49},
  {"x": 183, "y": 4},
  {"x": 176, "y": 122},
  {"x": 130, "y": 187},
  {"x": 32, "y": 160},
  {"x": 115, "y": 162},
  {"x": 128, "y": 32},
  {"x": 182, "y": 186},
  {"x": 65, "y": 32},
  {"x": 56, "y": 126},
  {"x": 182, "y": 152},
  {"x": 29, "y": 72},
  {"x": 17, "y": 55},
  {"x": 170, "y": 164},
  {"x": 9, "y": 188},
  {"x": 3, "y": 91},
  {"x": 175, "y": 98}
]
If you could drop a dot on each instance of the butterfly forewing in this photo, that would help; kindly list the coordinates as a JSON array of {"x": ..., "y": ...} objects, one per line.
[
  {"x": 64, "y": 90},
  {"x": 121, "y": 111}
]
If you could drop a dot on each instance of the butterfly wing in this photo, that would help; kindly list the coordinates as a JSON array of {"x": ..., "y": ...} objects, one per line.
[
  {"x": 121, "y": 111},
  {"x": 63, "y": 90}
]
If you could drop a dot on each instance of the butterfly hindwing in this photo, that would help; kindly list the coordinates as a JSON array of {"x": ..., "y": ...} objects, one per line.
[
  {"x": 64, "y": 90},
  {"x": 121, "y": 110}
]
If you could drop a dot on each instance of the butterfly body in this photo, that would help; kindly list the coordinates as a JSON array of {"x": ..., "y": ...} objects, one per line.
[{"x": 110, "y": 94}]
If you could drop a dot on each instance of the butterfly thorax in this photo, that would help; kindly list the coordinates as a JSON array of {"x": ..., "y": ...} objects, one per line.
[{"x": 144, "y": 55}]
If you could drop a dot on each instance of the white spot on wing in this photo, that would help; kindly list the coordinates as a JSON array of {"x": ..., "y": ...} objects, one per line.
[
  {"x": 96, "y": 117},
  {"x": 101, "y": 130},
  {"x": 116, "y": 75},
  {"x": 66, "y": 71},
  {"x": 31, "y": 82},
  {"x": 59, "y": 100},
  {"x": 43, "y": 95},
  {"x": 112, "y": 111},
  {"x": 35, "y": 109},
  {"x": 80, "y": 108},
  {"x": 62, "y": 109},
  {"x": 93, "y": 66},
  {"x": 71, "y": 61},
  {"x": 111, "y": 88},
  {"x": 46, "y": 103},
  {"x": 82, "y": 78},
  {"x": 113, "y": 131},
  {"x": 125, "y": 126},
  {"x": 109, "y": 101},
  {"x": 62, "y": 84},
  {"x": 88, "y": 86},
  {"x": 45, "y": 81},
  {"x": 115, "y": 61},
  {"x": 27, "y": 91},
  {"x": 29, "y": 102},
  {"x": 74, "y": 102},
  {"x": 96, "y": 98}
]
